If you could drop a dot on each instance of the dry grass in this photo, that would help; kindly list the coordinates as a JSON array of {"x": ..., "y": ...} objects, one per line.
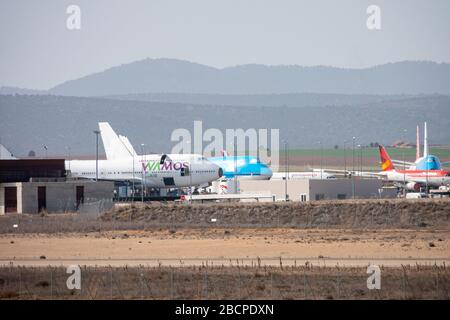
[
  {"x": 358, "y": 214},
  {"x": 225, "y": 282},
  {"x": 325, "y": 214}
]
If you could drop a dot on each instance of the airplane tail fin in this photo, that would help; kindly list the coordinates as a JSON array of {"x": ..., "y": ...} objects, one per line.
[
  {"x": 425, "y": 140},
  {"x": 5, "y": 154},
  {"x": 115, "y": 148},
  {"x": 386, "y": 162},
  {"x": 417, "y": 143},
  {"x": 127, "y": 145}
]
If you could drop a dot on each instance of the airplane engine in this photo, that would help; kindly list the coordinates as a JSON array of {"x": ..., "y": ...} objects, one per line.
[{"x": 412, "y": 186}]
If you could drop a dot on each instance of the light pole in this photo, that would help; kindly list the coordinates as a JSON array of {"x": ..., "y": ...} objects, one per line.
[
  {"x": 68, "y": 151},
  {"x": 285, "y": 172},
  {"x": 97, "y": 132},
  {"x": 132, "y": 191},
  {"x": 359, "y": 159},
  {"x": 143, "y": 172},
  {"x": 45, "y": 150},
  {"x": 321, "y": 159},
  {"x": 362, "y": 152},
  {"x": 190, "y": 174},
  {"x": 288, "y": 164},
  {"x": 404, "y": 165},
  {"x": 235, "y": 165},
  {"x": 353, "y": 168},
  {"x": 345, "y": 159}
]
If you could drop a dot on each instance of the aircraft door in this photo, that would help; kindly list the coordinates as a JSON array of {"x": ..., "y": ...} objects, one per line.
[
  {"x": 169, "y": 182},
  {"x": 185, "y": 172}
]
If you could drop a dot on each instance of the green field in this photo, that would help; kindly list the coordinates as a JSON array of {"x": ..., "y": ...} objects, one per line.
[
  {"x": 364, "y": 158},
  {"x": 396, "y": 153}
]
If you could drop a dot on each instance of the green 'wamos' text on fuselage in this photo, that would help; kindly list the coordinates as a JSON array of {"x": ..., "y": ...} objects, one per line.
[{"x": 165, "y": 166}]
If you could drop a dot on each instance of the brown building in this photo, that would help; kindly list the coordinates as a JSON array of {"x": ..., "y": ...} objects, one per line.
[{"x": 32, "y": 186}]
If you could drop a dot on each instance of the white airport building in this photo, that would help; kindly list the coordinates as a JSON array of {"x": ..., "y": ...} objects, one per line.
[{"x": 316, "y": 190}]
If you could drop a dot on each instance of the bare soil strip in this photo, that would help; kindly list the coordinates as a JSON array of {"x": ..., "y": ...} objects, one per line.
[{"x": 226, "y": 246}]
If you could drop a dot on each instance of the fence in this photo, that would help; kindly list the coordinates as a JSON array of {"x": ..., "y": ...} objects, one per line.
[{"x": 224, "y": 282}]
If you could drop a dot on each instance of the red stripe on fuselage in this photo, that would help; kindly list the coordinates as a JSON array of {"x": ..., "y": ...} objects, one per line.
[{"x": 423, "y": 173}]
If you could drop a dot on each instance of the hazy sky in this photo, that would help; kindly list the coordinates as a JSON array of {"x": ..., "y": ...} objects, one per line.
[{"x": 38, "y": 51}]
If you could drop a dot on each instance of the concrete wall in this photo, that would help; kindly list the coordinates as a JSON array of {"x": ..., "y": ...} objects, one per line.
[
  {"x": 2, "y": 199},
  {"x": 60, "y": 196},
  {"x": 276, "y": 187},
  {"x": 328, "y": 189},
  {"x": 342, "y": 188}
]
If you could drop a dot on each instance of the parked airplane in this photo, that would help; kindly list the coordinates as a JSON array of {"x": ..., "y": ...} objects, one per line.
[
  {"x": 412, "y": 179},
  {"x": 155, "y": 171},
  {"x": 427, "y": 161},
  {"x": 244, "y": 167},
  {"x": 425, "y": 171}
]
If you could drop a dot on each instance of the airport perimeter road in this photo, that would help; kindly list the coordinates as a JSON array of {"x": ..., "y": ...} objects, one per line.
[{"x": 229, "y": 247}]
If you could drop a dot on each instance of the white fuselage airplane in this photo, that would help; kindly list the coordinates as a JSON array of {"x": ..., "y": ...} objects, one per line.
[
  {"x": 243, "y": 167},
  {"x": 155, "y": 171},
  {"x": 167, "y": 171},
  {"x": 426, "y": 171}
]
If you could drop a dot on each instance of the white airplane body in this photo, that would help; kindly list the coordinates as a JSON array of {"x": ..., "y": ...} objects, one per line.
[
  {"x": 425, "y": 171},
  {"x": 152, "y": 170},
  {"x": 173, "y": 171},
  {"x": 247, "y": 167}
]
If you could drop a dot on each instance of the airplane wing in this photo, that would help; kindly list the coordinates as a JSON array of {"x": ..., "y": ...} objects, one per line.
[
  {"x": 406, "y": 163},
  {"x": 365, "y": 174}
]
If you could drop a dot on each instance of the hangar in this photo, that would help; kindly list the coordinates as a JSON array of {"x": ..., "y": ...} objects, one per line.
[
  {"x": 315, "y": 189},
  {"x": 32, "y": 186}
]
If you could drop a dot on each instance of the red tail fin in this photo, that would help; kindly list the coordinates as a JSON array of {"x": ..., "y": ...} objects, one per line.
[{"x": 386, "y": 163}]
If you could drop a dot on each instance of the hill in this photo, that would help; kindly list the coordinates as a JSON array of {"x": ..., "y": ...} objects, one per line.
[
  {"x": 170, "y": 75},
  {"x": 28, "y": 122}
]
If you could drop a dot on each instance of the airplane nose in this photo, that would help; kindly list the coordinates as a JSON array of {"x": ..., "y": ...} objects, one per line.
[
  {"x": 217, "y": 169},
  {"x": 266, "y": 172}
]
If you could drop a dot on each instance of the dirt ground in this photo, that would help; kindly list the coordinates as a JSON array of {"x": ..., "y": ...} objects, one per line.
[
  {"x": 229, "y": 246},
  {"x": 350, "y": 233}
]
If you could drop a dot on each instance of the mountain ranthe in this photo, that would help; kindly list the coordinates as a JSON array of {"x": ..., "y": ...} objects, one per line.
[
  {"x": 28, "y": 122},
  {"x": 177, "y": 76}
]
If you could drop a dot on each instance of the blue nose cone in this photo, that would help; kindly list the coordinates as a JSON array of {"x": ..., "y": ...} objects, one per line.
[
  {"x": 266, "y": 171},
  {"x": 429, "y": 163}
]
